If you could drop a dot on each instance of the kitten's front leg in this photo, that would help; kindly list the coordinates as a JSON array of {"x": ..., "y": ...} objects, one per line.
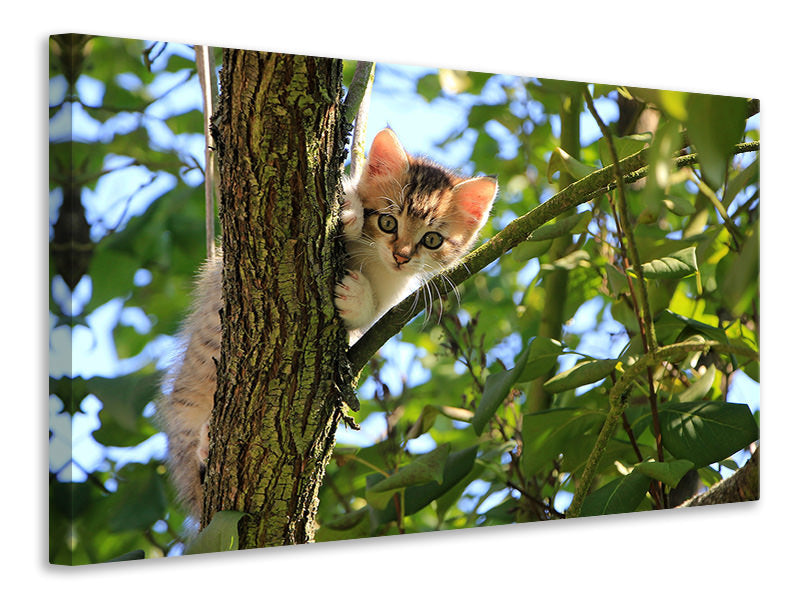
[{"x": 355, "y": 301}]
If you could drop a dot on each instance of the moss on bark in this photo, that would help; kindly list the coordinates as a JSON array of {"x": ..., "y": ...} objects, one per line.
[{"x": 280, "y": 140}]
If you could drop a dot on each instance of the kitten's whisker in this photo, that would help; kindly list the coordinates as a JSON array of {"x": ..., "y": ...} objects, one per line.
[
  {"x": 414, "y": 304},
  {"x": 392, "y": 203},
  {"x": 403, "y": 196},
  {"x": 453, "y": 286},
  {"x": 429, "y": 305},
  {"x": 428, "y": 302},
  {"x": 441, "y": 303},
  {"x": 446, "y": 279},
  {"x": 432, "y": 272}
]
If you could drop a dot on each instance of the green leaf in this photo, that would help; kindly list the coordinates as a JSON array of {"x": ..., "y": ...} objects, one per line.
[
  {"x": 188, "y": 122},
  {"x": 112, "y": 276},
  {"x": 739, "y": 281},
  {"x": 562, "y": 87},
  {"x": 497, "y": 387},
  {"x": 625, "y": 146},
  {"x": 503, "y": 513},
  {"x": 119, "y": 99},
  {"x": 140, "y": 499},
  {"x": 714, "y": 125},
  {"x": 670, "y": 472},
  {"x": 124, "y": 399},
  {"x": 177, "y": 63},
  {"x": 428, "y": 86},
  {"x": 480, "y": 114},
  {"x": 672, "y": 327},
  {"x": 347, "y": 520},
  {"x": 741, "y": 180},
  {"x": 136, "y": 144},
  {"x": 456, "y": 413},
  {"x": 530, "y": 249},
  {"x": 546, "y": 433},
  {"x": 667, "y": 141},
  {"x": 709, "y": 476},
  {"x": 561, "y": 161},
  {"x": 110, "y": 56},
  {"x": 424, "y": 422},
  {"x": 128, "y": 341},
  {"x": 542, "y": 357},
  {"x": 673, "y": 103},
  {"x": 71, "y": 392},
  {"x": 699, "y": 389},
  {"x": 675, "y": 266},
  {"x": 220, "y": 535},
  {"x": 572, "y": 224},
  {"x": 350, "y": 526},
  {"x": 422, "y": 469},
  {"x": 581, "y": 374},
  {"x": 680, "y": 206},
  {"x": 458, "y": 466},
  {"x": 706, "y": 432},
  {"x": 621, "y": 495},
  {"x": 573, "y": 260},
  {"x": 456, "y": 480},
  {"x": 72, "y": 499},
  {"x": 617, "y": 281}
]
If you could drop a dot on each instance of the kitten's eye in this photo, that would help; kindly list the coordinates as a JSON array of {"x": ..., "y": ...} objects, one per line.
[
  {"x": 387, "y": 223},
  {"x": 432, "y": 240}
]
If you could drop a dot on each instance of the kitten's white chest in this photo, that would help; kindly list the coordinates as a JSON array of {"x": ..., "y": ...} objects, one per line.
[{"x": 389, "y": 286}]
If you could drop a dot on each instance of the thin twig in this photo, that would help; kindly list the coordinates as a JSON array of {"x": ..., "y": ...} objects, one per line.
[
  {"x": 205, "y": 73},
  {"x": 360, "y": 88},
  {"x": 650, "y": 334},
  {"x": 362, "y": 80}
]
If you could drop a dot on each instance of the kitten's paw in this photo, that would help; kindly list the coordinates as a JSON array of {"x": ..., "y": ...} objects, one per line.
[
  {"x": 354, "y": 300},
  {"x": 352, "y": 215}
]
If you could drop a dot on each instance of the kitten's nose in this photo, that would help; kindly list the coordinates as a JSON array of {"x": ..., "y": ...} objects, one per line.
[{"x": 401, "y": 259}]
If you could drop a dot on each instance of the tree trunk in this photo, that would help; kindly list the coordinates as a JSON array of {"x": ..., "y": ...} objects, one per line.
[{"x": 282, "y": 372}]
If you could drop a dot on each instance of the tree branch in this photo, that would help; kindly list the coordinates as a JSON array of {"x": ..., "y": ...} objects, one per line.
[
  {"x": 362, "y": 80},
  {"x": 633, "y": 167},
  {"x": 617, "y": 399},
  {"x": 643, "y": 315},
  {"x": 739, "y": 487}
]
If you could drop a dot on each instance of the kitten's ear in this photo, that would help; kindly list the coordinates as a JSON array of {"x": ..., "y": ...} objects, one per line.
[
  {"x": 386, "y": 156},
  {"x": 474, "y": 198}
]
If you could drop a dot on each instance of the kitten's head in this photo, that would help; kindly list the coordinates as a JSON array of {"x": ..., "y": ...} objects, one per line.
[{"x": 421, "y": 217}]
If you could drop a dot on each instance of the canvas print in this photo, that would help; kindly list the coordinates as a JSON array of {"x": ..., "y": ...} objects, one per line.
[{"x": 300, "y": 299}]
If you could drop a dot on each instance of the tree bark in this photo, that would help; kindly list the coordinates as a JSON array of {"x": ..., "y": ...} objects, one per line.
[
  {"x": 282, "y": 373},
  {"x": 742, "y": 486}
]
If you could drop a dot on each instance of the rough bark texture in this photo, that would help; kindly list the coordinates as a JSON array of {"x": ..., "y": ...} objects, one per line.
[
  {"x": 742, "y": 486},
  {"x": 280, "y": 141}
]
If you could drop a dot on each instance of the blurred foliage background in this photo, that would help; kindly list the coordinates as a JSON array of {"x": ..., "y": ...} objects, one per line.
[{"x": 450, "y": 434}]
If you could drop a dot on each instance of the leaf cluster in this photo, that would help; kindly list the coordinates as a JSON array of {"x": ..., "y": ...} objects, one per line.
[
  {"x": 123, "y": 165},
  {"x": 455, "y": 442},
  {"x": 675, "y": 428}
]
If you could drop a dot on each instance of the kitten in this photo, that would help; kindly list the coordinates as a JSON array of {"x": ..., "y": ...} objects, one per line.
[{"x": 404, "y": 220}]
